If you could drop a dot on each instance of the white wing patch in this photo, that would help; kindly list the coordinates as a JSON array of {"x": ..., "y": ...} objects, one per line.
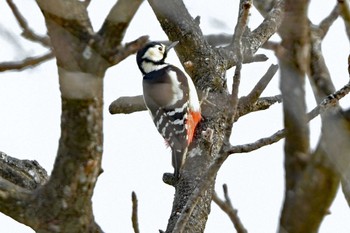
[
  {"x": 177, "y": 91},
  {"x": 194, "y": 102}
]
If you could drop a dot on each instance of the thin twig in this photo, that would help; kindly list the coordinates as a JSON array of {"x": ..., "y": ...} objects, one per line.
[
  {"x": 226, "y": 206},
  {"x": 134, "y": 216},
  {"x": 248, "y": 103},
  {"x": 245, "y": 148},
  {"x": 27, "y": 33},
  {"x": 328, "y": 102},
  {"x": 26, "y": 63},
  {"x": 241, "y": 26},
  {"x": 262, "y": 84}
]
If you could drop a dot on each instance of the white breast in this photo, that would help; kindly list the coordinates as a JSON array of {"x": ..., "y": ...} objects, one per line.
[{"x": 149, "y": 66}]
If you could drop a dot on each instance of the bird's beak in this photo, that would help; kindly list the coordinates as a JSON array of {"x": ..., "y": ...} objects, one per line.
[{"x": 172, "y": 45}]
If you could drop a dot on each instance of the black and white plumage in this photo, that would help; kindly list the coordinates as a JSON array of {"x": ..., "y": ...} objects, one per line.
[{"x": 171, "y": 99}]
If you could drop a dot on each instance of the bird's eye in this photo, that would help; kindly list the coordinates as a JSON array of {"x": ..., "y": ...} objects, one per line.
[{"x": 160, "y": 48}]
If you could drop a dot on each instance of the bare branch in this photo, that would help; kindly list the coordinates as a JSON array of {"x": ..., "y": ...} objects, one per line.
[
  {"x": 245, "y": 148},
  {"x": 266, "y": 29},
  {"x": 262, "y": 103},
  {"x": 128, "y": 49},
  {"x": 28, "y": 62},
  {"x": 127, "y": 104},
  {"x": 262, "y": 84},
  {"x": 206, "y": 181},
  {"x": 13, "y": 200},
  {"x": 134, "y": 216},
  {"x": 17, "y": 179},
  {"x": 227, "y": 207},
  {"x": 326, "y": 23},
  {"x": 237, "y": 48},
  {"x": 27, "y": 33},
  {"x": 113, "y": 29},
  {"x": 24, "y": 173},
  {"x": 255, "y": 39},
  {"x": 131, "y": 104},
  {"x": 345, "y": 14},
  {"x": 327, "y": 103},
  {"x": 249, "y": 103}
]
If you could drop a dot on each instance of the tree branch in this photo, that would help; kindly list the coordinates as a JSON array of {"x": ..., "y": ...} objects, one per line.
[
  {"x": 251, "y": 102},
  {"x": 227, "y": 207},
  {"x": 127, "y": 104},
  {"x": 345, "y": 14},
  {"x": 27, "y": 33},
  {"x": 24, "y": 173},
  {"x": 327, "y": 22},
  {"x": 113, "y": 30},
  {"x": 123, "y": 52},
  {"x": 134, "y": 216},
  {"x": 255, "y": 39},
  {"x": 28, "y": 62},
  {"x": 329, "y": 102},
  {"x": 209, "y": 176},
  {"x": 18, "y": 178}
]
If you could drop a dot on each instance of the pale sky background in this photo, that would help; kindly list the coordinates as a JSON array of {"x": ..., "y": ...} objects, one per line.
[{"x": 135, "y": 156}]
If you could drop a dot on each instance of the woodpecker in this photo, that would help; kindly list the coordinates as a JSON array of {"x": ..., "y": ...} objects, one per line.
[{"x": 171, "y": 98}]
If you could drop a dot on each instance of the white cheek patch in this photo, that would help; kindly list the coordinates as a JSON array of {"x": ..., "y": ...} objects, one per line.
[{"x": 153, "y": 54}]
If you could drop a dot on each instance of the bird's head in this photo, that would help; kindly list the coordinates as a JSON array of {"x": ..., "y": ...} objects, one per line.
[{"x": 152, "y": 56}]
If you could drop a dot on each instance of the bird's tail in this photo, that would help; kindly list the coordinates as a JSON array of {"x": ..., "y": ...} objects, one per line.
[{"x": 178, "y": 159}]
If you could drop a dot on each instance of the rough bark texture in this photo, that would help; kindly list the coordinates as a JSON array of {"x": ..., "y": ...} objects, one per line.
[{"x": 180, "y": 26}]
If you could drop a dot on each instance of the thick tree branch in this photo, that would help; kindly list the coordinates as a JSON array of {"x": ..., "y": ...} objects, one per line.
[
  {"x": 227, "y": 207},
  {"x": 293, "y": 65},
  {"x": 123, "y": 52},
  {"x": 208, "y": 73},
  {"x": 24, "y": 173},
  {"x": 208, "y": 177},
  {"x": 28, "y": 62},
  {"x": 127, "y": 104},
  {"x": 14, "y": 200},
  {"x": 113, "y": 30},
  {"x": 18, "y": 178}
]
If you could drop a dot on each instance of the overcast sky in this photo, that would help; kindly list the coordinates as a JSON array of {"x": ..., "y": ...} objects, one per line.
[{"x": 135, "y": 156}]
